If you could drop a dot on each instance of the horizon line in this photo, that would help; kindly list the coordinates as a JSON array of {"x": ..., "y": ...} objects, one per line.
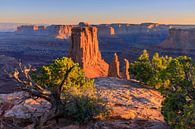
[{"x": 97, "y": 23}]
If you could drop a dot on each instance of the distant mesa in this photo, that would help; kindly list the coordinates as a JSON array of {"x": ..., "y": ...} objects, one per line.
[
  {"x": 57, "y": 31},
  {"x": 26, "y": 28},
  {"x": 180, "y": 39},
  {"x": 85, "y": 51},
  {"x": 150, "y": 25},
  {"x": 105, "y": 31}
]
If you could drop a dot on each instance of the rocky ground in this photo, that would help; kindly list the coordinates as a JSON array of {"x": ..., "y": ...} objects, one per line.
[{"x": 133, "y": 107}]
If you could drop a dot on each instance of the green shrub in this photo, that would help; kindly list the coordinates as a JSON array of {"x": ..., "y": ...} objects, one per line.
[
  {"x": 175, "y": 78},
  {"x": 78, "y": 97},
  {"x": 81, "y": 109}
]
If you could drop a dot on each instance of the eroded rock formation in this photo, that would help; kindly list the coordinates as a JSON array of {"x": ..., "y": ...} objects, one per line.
[
  {"x": 126, "y": 70},
  {"x": 64, "y": 32},
  {"x": 85, "y": 51},
  {"x": 180, "y": 39},
  {"x": 114, "y": 67},
  {"x": 60, "y": 31}
]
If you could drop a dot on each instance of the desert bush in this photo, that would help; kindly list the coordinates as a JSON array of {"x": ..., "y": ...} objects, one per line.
[{"x": 82, "y": 109}]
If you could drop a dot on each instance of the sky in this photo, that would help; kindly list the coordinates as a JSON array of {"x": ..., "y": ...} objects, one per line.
[{"x": 97, "y": 11}]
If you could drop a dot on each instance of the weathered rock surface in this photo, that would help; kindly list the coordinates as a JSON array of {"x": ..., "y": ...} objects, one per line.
[
  {"x": 132, "y": 107},
  {"x": 180, "y": 39},
  {"x": 20, "y": 106},
  {"x": 85, "y": 51},
  {"x": 114, "y": 67}
]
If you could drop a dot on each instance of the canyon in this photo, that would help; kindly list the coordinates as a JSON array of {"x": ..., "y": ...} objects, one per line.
[
  {"x": 104, "y": 52},
  {"x": 38, "y": 45}
]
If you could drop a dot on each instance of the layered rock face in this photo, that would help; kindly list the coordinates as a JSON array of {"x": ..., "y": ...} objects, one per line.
[
  {"x": 64, "y": 32},
  {"x": 85, "y": 51},
  {"x": 180, "y": 39},
  {"x": 114, "y": 67},
  {"x": 139, "y": 28},
  {"x": 60, "y": 31},
  {"x": 57, "y": 31}
]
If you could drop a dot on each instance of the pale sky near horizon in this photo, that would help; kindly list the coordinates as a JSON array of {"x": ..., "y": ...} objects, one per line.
[{"x": 97, "y": 11}]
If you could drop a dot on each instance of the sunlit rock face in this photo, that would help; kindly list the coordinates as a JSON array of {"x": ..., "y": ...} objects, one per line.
[
  {"x": 125, "y": 72},
  {"x": 180, "y": 39},
  {"x": 114, "y": 67},
  {"x": 60, "y": 31},
  {"x": 132, "y": 105},
  {"x": 85, "y": 51}
]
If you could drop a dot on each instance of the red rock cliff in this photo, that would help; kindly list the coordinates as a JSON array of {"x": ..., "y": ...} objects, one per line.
[{"x": 85, "y": 51}]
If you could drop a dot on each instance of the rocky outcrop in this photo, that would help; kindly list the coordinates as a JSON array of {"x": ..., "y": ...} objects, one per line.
[
  {"x": 114, "y": 67},
  {"x": 132, "y": 107},
  {"x": 85, "y": 51},
  {"x": 126, "y": 74},
  {"x": 180, "y": 39}
]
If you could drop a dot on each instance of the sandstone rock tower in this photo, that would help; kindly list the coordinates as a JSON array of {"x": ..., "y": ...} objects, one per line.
[
  {"x": 126, "y": 71},
  {"x": 85, "y": 51},
  {"x": 114, "y": 67}
]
